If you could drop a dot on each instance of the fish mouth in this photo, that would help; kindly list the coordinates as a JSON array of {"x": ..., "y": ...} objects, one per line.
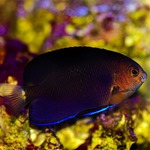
[{"x": 143, "y": 77}]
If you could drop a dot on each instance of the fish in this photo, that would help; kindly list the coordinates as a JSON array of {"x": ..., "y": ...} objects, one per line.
[{"x": 73, "y": 82}]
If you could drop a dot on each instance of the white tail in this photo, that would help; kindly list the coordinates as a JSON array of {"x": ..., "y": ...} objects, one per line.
[{"x": 14, "y": 97}]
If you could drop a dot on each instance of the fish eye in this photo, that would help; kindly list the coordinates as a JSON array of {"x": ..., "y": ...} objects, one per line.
[{"x": 133, "y": 71}]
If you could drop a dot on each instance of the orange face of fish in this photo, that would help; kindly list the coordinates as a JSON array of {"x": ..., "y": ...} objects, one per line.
[{"x": 127, "y": 79}]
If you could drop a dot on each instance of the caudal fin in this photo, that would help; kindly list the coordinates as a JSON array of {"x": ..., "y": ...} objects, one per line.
[{"x": 14, "y": 98}]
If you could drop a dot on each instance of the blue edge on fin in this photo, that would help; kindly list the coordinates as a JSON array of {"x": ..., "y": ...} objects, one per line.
[{"x": 73, "y": 116}]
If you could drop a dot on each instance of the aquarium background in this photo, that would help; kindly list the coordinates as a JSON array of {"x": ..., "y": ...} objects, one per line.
[{"x": 31, "y": 27}]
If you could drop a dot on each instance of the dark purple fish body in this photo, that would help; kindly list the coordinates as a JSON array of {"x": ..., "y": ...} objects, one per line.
[
  {"x": 71, "y": 83},
  {"x": 65, "y": 83}
]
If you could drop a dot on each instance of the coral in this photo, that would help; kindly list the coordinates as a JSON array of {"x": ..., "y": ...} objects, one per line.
[{"x": 14, "y": 133}]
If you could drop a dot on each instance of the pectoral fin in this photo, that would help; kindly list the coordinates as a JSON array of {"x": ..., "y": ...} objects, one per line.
[{"x": 117, "y": 96}]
